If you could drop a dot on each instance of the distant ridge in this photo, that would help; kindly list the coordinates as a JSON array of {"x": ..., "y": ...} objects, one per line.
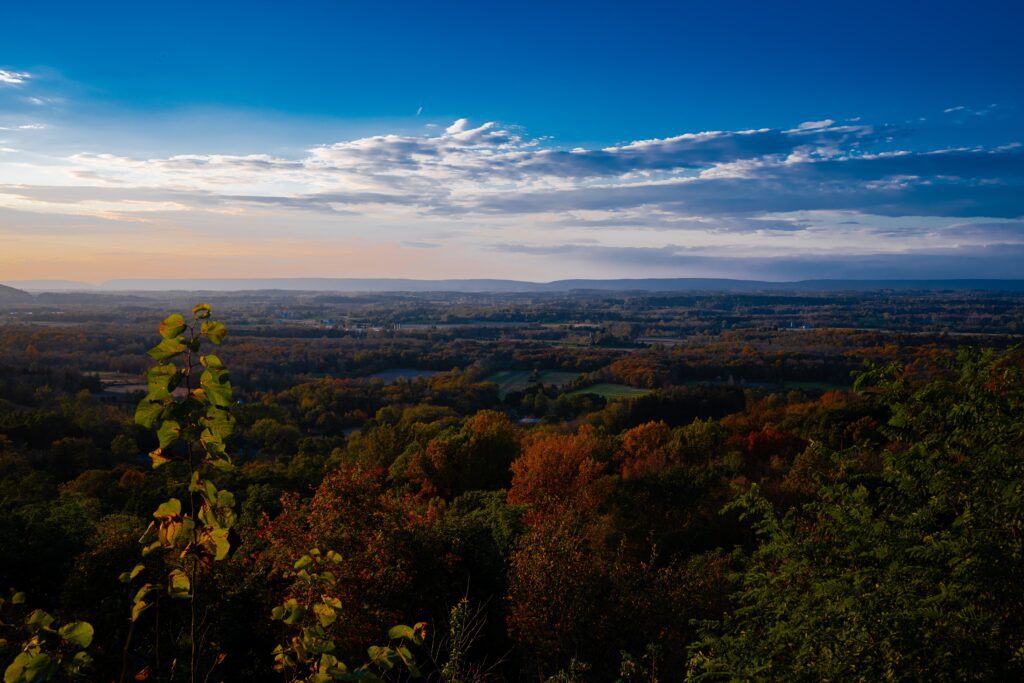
[
  {"x": 53, "y": 285},
  {"x": 10, "y": 295},
  {"x": 352, "y": 285}
]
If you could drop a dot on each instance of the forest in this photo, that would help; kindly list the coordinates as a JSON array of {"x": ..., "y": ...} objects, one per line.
[{"x": 584, "y": 486}]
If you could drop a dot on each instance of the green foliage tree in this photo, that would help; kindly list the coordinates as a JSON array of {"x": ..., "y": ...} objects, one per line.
[{"x": 912, "y": 573}]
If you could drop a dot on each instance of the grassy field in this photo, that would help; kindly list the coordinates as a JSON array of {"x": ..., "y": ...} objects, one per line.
[
  {"x": 612, "y": 391},
  {"x": 517, "y": 380}
]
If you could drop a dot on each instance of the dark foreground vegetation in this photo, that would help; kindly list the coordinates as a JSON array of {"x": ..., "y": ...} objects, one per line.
[{"x": 574, "y": 487}]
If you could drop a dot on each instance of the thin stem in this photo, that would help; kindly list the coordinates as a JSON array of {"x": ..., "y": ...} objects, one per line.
[
  {"x": 156, "y": 644},
  {"x": 124, "y": 652},
  {"x": 193, "y": 579}
]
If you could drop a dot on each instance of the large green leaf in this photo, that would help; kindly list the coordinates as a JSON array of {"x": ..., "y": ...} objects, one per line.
[
  {"x": 31, "y": 668},
  {"x": 162, "y": 379},
  {"x": 171, "y": 508},
  {"x": 77, "y": 633},
  {"x": 169, "y": 432},
  {"x": 219, "y": 422},
  {"x": 148, "y": 412},
  {"x": 217, "y": 385},
  {"x": 221, "y": 542},
  {"x": 401, "y": 631},
  {"x": 16, "y": 669},
  {"x": 326, "y": 614},
  {"x": 167, "y": 349},
  {"x": 38, "y": 621},
  {"x": 290, "y": 612}
]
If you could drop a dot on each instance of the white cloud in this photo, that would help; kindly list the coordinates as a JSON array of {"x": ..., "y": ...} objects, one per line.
[
  {"x": 814, "y": 125},
  {"x": 817, "y": 186},
  {"x": 13, "y": 77},
  {"x": 981, "y": 111}
]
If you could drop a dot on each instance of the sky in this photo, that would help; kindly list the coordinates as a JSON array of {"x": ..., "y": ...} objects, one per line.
[{"x": 536, "y": 141}]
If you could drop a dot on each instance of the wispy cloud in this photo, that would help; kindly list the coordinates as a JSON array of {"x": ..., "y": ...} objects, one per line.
[
  {"x": 13, "y": 77},
  {"x": 973, "y": 111},
  {"x": 815, "y": 193}
]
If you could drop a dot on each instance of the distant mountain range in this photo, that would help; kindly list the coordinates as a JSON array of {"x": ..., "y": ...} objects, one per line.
[
  {"x": 11, "y": 295},
  {"x": 502, "y": 286}
]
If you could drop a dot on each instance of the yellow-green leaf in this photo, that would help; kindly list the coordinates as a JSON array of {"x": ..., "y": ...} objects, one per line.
[
  {"x": 178, "y": 584},
  {"x": 77, "y": 633},
  {"x": 38, "y": 621},
  {"x": 170, "y": 508},
  {"x": 214, "y": 331},
  {"x": 172, "y": 326},
  {"x": 217, "y": 385},
  {"x": 148, "y": 412},
  {"x": 325, "y": 614},
  {"x": 168, "y": 433},
  {"x": 167, "y": 349},
  {"x": 211, "y": 362},
  {"x": 221, "y": 542}
]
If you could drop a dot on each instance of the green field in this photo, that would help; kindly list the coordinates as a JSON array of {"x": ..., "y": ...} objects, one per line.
[
  {"x": 612, "y": 391},
  {"x": 517, "y": 380}
]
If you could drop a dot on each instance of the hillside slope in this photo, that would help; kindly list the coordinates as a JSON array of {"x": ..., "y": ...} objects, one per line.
[{"x": 10, "y": 295}]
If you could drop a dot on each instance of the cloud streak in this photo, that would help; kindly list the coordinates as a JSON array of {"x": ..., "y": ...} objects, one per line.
[
  {"x": 13, "y": 77},
  {"x": 819, "y": 192}
]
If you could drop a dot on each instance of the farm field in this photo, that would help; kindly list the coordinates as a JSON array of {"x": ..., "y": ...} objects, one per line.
[
  {"x": 612, "y": 391},
  {"x": 518, "y": 380}
]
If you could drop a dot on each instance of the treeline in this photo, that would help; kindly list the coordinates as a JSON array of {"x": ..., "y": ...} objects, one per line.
[{"x": 697, "y": 532}]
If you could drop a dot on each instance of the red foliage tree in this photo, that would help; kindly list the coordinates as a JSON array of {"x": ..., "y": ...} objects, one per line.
[{"x": 352, "y": 513}]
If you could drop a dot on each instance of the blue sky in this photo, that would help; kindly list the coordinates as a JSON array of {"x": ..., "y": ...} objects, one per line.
[{"x": 534, "y": 140}]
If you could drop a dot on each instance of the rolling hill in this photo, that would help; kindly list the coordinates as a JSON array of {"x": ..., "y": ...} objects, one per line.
[{"x": 10, "y": 295}]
